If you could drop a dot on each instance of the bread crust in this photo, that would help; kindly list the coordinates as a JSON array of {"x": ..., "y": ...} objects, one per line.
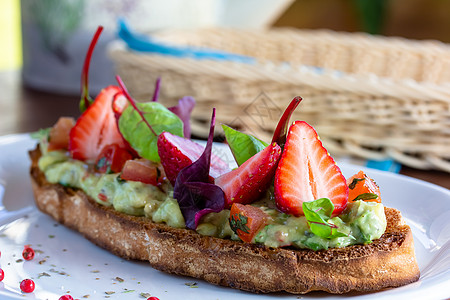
[{"x": 387, "y": 262}]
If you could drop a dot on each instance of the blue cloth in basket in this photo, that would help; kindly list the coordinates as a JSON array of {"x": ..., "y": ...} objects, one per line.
[{"x": 144, "y": 43}]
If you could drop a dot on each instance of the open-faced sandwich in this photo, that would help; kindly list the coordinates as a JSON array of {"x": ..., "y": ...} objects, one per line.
[{"x": 128, "y": 177}]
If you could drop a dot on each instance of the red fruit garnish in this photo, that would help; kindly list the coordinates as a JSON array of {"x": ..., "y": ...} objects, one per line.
[
  {"x": 307, "y": 172},
  {"x": 248, "y": 182},
  {"x": 28, "y": 253},
  {"x": 177, "y": 153},
  {"x": 362, "y": 187},
  {"x": 2, "y": 275},
  {"x": 153, "y": 298},
  {"x": 27, "y": 286},
  {"x": 96, "y": 128},
  {"x": 112, "y": 159},
  {"x": 59, "y": 134},
  {"x": 247, "y": 220},
  {"x": 143, "y": 170},
  {"x": 66, "y": 297},
  {"x": 86, "y": 100},
  {"x": 280, "y": 133}
]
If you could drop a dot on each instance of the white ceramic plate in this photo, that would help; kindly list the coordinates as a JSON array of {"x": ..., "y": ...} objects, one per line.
[{"x": 67, "y": 263}]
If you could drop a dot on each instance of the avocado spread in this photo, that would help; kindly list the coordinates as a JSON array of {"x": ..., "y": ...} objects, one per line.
[{"x": 361, "y": 222}]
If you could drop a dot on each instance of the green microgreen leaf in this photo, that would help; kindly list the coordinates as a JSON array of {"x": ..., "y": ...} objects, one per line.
[
  {"x": 366, "y": 196},
  {"x": 242, "y": 145},
  {"x": 318, "y": 213},
  {"x": 143, "y": 136},
  {"x": 41, "y": 135}
]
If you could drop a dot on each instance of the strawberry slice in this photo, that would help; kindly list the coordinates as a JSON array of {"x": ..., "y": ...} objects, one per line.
[
  {"x": 177, "y": 153},
  {"x": 248, "y": 182},
  {"x": 96, "y": 128},
  {"x": 307, "y": 172}
]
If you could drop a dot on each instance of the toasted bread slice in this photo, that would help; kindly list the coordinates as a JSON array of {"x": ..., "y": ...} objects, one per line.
[{"x": 386, "y": 262}]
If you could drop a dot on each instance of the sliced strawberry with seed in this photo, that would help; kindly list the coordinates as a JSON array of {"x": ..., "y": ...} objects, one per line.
[
  {"x": 177, "y": 153},
  {"x": 248, "y": 182},
  {"x": 96, "y": 128},
  {"x": 307, "y": 172}
]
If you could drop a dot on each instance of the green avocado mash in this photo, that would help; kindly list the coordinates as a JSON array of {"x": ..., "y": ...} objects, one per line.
[{"x": 361, "y": 222}]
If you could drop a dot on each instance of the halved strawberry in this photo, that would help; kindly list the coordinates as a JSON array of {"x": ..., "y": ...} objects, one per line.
[
  {"x": 246, "y": 183},
  {"x": 307, "y": 172},
  {"x": 96, "y": 128},
  {"x": 177, "y": 153}
]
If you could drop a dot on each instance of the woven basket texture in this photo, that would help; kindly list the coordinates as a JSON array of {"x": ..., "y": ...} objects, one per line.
[{"x": 367, "y": 96}]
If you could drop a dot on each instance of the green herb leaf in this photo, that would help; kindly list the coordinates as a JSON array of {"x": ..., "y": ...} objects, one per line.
[
  {"x": 355, "y": 182},
  {"x": 242, "y": 145},
  {"x": 366, "y": 196},
  {"x": 238, "y": 221},
  {"x": 140, "y": 136},
  {"x": 41, "y": 135},
  {"x": 317, "y": 213}
]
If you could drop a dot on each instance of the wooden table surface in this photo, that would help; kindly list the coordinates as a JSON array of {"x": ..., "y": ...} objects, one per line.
[{"x": 27, "y": 110}]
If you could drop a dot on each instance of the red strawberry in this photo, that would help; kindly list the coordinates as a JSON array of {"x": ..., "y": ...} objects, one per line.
[
  {"x": 177, "y": 153},
  {"x": 246, "y": 183},
  {"x": 96, "y": 128},
  {"x": 307, "y": 172}
]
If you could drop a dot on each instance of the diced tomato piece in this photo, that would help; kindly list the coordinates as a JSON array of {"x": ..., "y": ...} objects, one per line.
[
  {"x": 112, "y": 159},
  {"x": 247, "y": 220},
  {"x": 362, "y": 187},
  {"x": 144, "y": 171},
  {"x": 59, "y": 134}
]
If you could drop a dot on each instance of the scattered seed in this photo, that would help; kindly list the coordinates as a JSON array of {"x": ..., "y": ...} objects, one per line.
[
  {"x": 19, "y": 260},
  {"x": 119, "y": 279},
  {"x": 43, "y": 274},
  {"x": 51, "y": 236},
  {"x": 191, "y": 284},
  {"x": 110, "y": 293},
  {"x": 95, "y": 271},
  {"x": 145, "y": 295}
]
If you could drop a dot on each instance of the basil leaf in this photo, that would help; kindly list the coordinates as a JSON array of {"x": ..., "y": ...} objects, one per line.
[
  {"x": 242, "y": 145},
  {"x": 355, "y": 182},
  {"x": 366, "y": 196},
  {"x": 138, "y": 133},
  {"x": 317, "y": 213}
]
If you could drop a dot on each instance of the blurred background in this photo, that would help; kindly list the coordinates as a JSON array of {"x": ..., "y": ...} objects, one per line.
[{"x": 415, "y": 19}]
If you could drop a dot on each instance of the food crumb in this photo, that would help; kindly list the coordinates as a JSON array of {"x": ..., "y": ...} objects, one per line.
[
  {"x": 119, "y": 279},
  {"x": 19, "y": 260},
  {"x": 109, "y": 292},
  {"x": 145, "y": 295},
  {"x": 51, "y": 236},
  {"x": 95, "y": 271},
  {"x": 86, "y": 296}
]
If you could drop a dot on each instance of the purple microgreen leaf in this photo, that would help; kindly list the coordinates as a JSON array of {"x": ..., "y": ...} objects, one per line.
[
  {"x": 133, "y": 103},
  {"x": 195, "y": 195},
  {"x": 280, "y": 133},
  {"x": 183, "y": 110},
  {"x": 86, "y": 100},
  {"x": 156, "y": 93}
]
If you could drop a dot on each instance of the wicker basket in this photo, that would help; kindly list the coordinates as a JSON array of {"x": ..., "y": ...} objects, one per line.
[{"x": 371, "y": 97}]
